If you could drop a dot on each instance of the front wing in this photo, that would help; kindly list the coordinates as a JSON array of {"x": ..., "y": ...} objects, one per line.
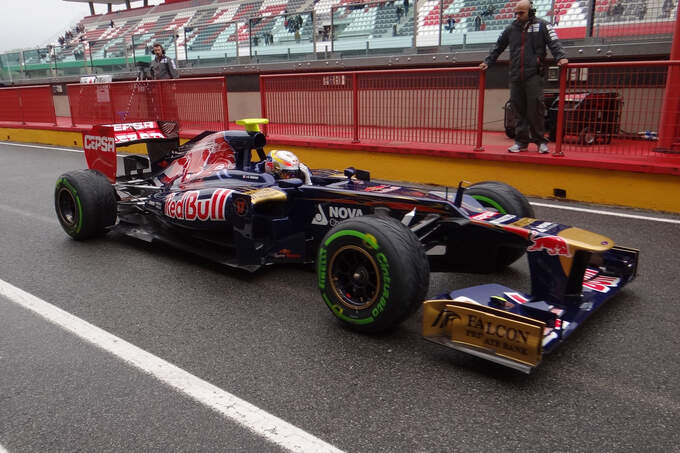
[{"x": 505, "y": 326}]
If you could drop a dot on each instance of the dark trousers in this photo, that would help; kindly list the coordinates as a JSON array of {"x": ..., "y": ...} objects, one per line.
[{"x": 526, "y": 97}]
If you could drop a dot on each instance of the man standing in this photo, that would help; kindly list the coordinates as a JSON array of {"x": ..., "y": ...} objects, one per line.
[
  {"x": 163, "y": 102},
  {"x": 162, "y": 66},
  {"x": 527, "y": 37}
]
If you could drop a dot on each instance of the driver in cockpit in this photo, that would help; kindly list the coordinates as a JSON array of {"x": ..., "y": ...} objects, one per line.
[{"x": 284, "y": 164}]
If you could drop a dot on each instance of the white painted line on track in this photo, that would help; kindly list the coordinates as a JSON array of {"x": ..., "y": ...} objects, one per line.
[
  {"x": 3, "y": 450},
  {"x": 70, "y": 150},
  {"x": 42, "y": 218},
  {"x": 610, "y": 213},
  {"x": 256, "y": 420}
]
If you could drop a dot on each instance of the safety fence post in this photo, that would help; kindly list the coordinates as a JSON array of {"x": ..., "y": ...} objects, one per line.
[
  {"x": 355, "y": 108},
  {"x": 480, "y": 110},
  {"x": 559, "y": 130},
  {"x": 225, "y": 104},
  {"x": 263, "y": 101}
]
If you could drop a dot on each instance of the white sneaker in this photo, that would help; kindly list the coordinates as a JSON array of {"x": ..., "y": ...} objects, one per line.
[
  {"x": 543, "y": 148},
  {"x": 516, "y": 148}
]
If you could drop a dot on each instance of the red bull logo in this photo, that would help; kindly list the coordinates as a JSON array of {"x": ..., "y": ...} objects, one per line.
[
  {"x": 552, "y": 245},
  {"x": 188, "y": 206}
]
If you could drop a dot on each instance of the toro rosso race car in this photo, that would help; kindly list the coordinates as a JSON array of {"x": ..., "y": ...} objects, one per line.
[{"x": 374, "y": 243}]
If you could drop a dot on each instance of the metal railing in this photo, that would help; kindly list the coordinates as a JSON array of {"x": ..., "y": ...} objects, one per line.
[
  {"x": 197, "y": 104},
  {"x": 27, "y": 105},
  {"x": 618, "y": 108},
  {"x": 442, "y": 106}
]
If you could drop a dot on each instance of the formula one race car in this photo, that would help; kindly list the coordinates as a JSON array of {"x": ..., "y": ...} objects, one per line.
[{"x": 374, "y": 243}]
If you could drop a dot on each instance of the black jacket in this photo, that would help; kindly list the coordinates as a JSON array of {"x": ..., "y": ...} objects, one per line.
[{"x": 527, "y": 43}]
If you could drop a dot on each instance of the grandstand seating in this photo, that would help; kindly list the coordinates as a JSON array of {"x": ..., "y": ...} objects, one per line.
[{"x": 205, "y": 29}]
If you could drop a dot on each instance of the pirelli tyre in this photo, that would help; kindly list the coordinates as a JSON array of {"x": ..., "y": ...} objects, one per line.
[
  {"x": 501, "y": 197},
  {"x": 85, "y": 202},
  {"x": 490, "y": 255},
  {"x": 372, "y": 272}
]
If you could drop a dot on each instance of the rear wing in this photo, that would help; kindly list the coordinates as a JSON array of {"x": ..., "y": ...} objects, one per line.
[{"x": 101, "y": 141}]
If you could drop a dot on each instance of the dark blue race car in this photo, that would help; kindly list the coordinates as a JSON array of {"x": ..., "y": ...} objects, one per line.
[{"x": 374, "y": 242}]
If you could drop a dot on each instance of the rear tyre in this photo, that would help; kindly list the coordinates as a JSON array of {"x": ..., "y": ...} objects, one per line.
[
  {"x": 85, "y": 202},
  {"x": 501, "y": 197},
  {"x": 372, "y": 272}
]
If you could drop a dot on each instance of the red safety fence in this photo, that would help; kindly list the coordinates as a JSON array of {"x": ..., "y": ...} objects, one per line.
[
  {"x": 198, "y": 104},
  {"x": 617, "y": 108},
  {"x": 27, "y": 105},
  {"x": 442, "y": 106}
]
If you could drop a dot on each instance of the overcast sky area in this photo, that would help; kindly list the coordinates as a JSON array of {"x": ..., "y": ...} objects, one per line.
[{"x": 28, "y": 24}]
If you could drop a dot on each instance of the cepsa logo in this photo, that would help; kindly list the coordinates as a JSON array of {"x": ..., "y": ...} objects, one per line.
[
  {"x": 136, "y": 126},
  {"x": 130, "y": 132},
  {"x": 103, "y": 144},
  {"x": 188, "y": 206}
]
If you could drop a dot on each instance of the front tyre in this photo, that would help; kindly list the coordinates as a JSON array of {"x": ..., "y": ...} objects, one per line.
[
  {"x": 501, "y": 197},
  {"x": 490, "y": 256},
  {"x": 85, "y": 202},
  {"x": 372, "y": 272}
]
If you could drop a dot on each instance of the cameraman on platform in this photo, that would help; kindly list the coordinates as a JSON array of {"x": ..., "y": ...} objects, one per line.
[{"x": 162, "y": 66}]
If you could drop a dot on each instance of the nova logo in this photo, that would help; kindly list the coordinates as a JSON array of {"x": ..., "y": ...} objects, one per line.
[
  {"x": 103, "y": 144},
  {"x": 335, "y": 214}
]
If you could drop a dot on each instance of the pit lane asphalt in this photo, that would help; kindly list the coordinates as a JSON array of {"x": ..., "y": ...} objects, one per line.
[{"x": 269, "y": 339}]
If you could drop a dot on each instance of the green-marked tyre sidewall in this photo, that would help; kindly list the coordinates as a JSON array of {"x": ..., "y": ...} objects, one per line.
[
  {"x": 85, "y": 203},
  {"x": 368, "y": 243},
  {"x": 396, "y": 257},
  {"x": 490, "y": 202}
]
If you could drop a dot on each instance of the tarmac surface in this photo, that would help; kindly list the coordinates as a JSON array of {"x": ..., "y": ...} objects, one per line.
[{"x": 268, "y": 339}]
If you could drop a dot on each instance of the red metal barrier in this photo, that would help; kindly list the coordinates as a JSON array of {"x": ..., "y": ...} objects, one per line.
[
  {"x": 198, "y": 104},
  {"x": 27, "y": 105},
  {"x": 615, "y": 108},
  {"x": 401, "y": 106}
]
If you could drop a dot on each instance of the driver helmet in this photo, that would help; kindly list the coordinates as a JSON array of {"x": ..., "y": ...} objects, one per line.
[{"x": 282, "y": 164}]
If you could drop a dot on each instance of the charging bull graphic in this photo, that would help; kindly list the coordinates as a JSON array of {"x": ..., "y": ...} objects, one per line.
[{"x": 553, "y": 245}]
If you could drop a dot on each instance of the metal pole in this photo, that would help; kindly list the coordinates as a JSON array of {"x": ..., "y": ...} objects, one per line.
[
  {"x": 225, "y": 104},
  {"x": 89, "y": 51},
  {"x": 415, "y": 23},
  {"x": 355, "y": 108},
  {"x": 186, "y": 47},
  {"x": 332, "y": 33},
  {"x": 441, "y": 17},
  {"x": 174, "y": 40},
  {"x": 250, "y": 38},
  {"x": 480, "y": 110},
  {"x": 315, "y": 32},
  {"x": 134, "y": 59},
  {"x": 263, "y": 102},
  {"x": 559, "y": 132}
]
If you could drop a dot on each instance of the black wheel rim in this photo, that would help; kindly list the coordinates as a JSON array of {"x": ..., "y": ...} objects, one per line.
[
  {"x": 354, "y": 277},
  {"x": 67, "y": 207}
]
